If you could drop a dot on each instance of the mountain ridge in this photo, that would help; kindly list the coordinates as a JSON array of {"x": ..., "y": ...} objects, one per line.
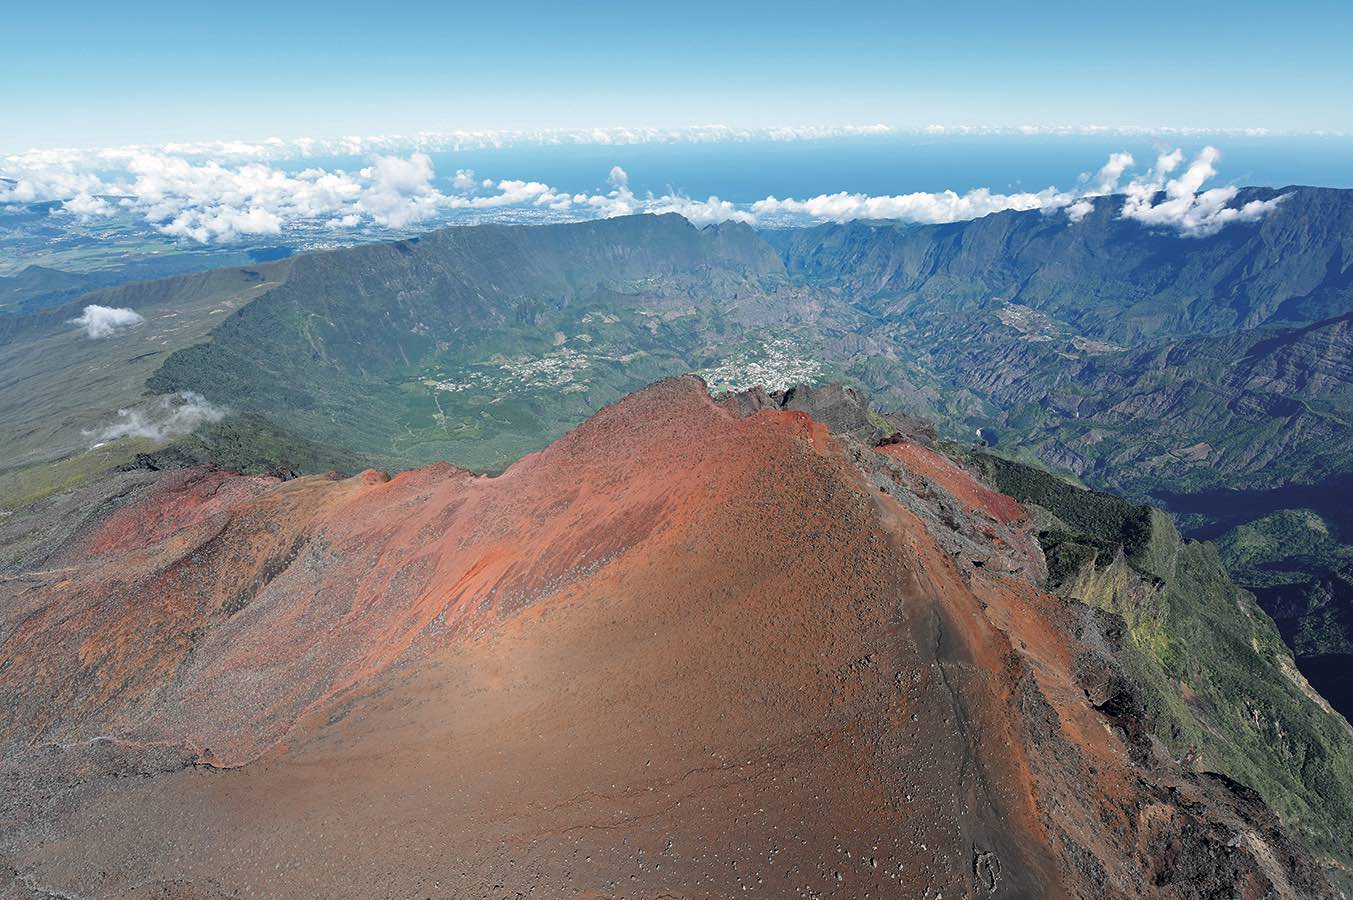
[
  {"x": 854, "y": 642},
  {"x": 481, "y": 345}
]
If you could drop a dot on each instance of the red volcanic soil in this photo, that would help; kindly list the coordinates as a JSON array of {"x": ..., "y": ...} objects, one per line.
[
  {"x": 944, "y": 472},
  {"x": 679, "y": 653}
]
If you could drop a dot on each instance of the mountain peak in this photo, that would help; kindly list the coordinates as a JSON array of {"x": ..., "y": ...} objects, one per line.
[{"x": 684, "y": 629}]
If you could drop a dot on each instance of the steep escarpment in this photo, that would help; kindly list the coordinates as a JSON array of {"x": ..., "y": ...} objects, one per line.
[
  {"x": 481, "y": 344},
  {"x": 1108, "y": 277},
  {"x": 682, "y": 651},
  {"x": 1208, "y": 669},
  {"x": 1269, "y": 406}
]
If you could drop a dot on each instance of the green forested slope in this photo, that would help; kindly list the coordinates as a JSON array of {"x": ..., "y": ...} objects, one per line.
[{"x": 1219, "y": 685}]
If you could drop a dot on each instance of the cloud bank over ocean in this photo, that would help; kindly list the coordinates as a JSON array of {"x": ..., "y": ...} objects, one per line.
[{"x": 219, "y": 192}]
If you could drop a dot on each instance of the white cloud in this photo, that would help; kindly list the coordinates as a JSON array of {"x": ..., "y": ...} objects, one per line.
[
  {"x": 170, "y": 415},
  {"x": 277, "y": 149},
  {"x": 39, "y": 180},
  {"x": 1105, "y": 131},
  {"x": 702, "y": 212},
  {"x": 87, "y": 208},
  {"x": 221, "y": 223},
  {"x": 1106, "y": 180},
  {"x": 514, "y": 192},
  {"x": 400, "y": 191},
  {"x": 928, "y": 208},
  {"x": 1186, "y": 207},
  {"x": 1079, "y": 210},
  {"x": 105, "y": 321},
  {"x": 1191, "y": 213},
  {"x": 213, "y": 202},
  {"x": 238, "y": 194}
]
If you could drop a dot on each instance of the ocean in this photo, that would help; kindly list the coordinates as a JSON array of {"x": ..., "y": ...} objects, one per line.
[{"x": 745, "y": 172}]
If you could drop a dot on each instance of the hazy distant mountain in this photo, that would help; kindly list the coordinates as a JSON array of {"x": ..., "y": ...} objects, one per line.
[{"x": 1105, "y": 277}]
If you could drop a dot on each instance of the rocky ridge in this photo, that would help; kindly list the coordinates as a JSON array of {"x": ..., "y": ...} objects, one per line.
[{"x": 694, "y": 647}]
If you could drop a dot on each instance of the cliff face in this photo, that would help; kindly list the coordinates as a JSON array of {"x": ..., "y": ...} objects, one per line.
[
  {"x": 692, "y": 648},
  {"x": 1107, "y": 277},
  {"x": 1205, "y": 666},
  {"x": 478, "y": 344}
]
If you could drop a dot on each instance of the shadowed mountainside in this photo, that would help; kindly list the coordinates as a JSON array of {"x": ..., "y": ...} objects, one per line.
[{"x": 1108, "y": 278}]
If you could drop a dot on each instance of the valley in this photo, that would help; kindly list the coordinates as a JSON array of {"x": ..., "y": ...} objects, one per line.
[
  {"x": 477, "y": 345},
  {"x": 862, "y": 451}
]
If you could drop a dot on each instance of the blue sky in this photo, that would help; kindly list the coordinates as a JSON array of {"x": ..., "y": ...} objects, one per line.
[{"x": 104, "y": 74}]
